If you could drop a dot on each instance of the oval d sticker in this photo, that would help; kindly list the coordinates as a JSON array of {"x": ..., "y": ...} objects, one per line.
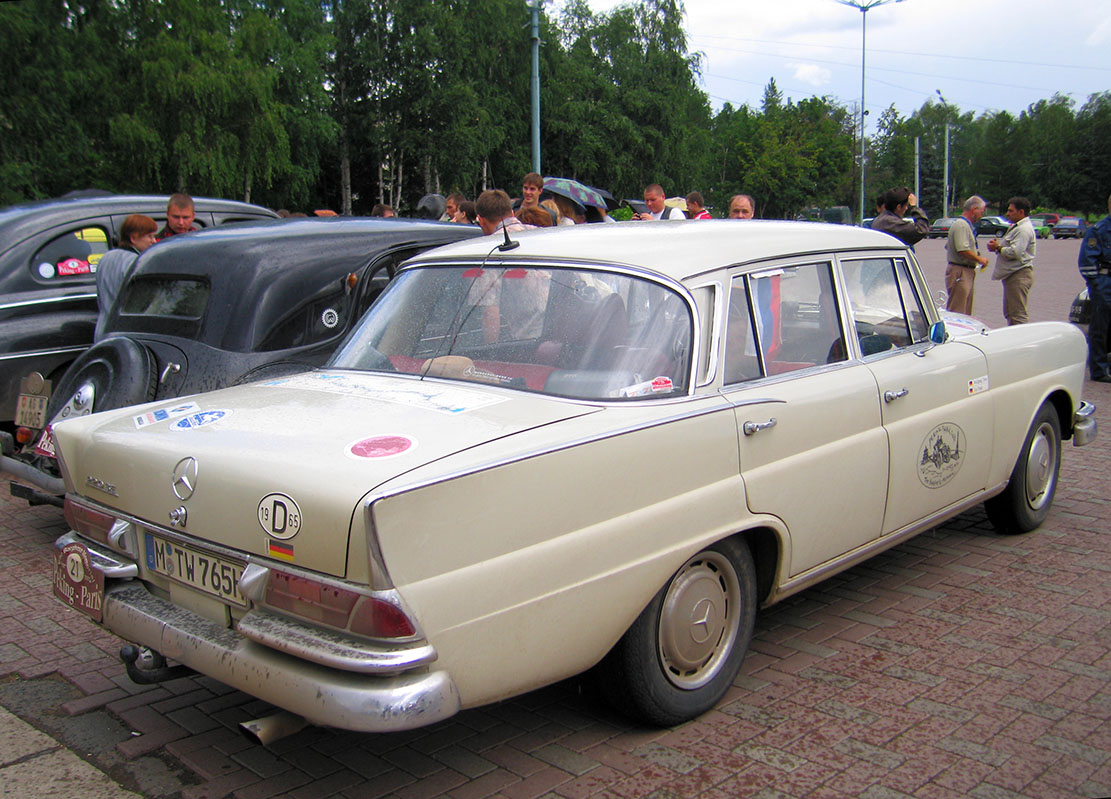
[{"x": 279, "y": 516}]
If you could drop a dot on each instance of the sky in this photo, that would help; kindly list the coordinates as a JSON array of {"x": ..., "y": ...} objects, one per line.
[{"x": 981, "y": 55}]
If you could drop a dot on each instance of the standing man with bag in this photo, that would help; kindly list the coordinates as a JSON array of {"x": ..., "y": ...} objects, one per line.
[
  {"x": 1095, "y": 267},
  {"x": 1014, "y": 264}
]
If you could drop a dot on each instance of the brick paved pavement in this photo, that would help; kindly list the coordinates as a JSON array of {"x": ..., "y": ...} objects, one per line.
[{"x": 959, "y": 664}]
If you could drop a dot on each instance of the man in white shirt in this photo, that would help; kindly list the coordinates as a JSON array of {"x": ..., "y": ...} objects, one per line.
[
  {"x": 657, "y": 209},
  {"x": 1014, "y": 264}
]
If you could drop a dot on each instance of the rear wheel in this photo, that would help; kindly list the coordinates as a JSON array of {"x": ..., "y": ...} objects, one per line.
[
  {"x": 1026, "y": 501},
  {"x": 681, "y": 654}
]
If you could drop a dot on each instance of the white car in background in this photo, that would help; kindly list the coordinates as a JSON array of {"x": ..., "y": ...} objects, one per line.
[{"x": 589, "y": 449}]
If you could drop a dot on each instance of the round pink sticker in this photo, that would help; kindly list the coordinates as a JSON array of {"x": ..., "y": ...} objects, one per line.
[{"x": 380, "y": 446}]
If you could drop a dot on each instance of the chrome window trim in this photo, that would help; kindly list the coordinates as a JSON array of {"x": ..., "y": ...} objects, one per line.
[
  {"x": 40, "y": 353},
  {"x": 27, "y": 303}
]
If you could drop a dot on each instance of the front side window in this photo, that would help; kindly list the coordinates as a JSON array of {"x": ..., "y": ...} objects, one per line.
[
  {"x": 577, "y": 333},
  {"x": 884, "y": 306}
]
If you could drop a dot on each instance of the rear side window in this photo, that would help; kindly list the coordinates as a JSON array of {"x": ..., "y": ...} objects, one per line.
[
  {"x": 71, "y": 254},
  {"x": 165, "y": 296}
]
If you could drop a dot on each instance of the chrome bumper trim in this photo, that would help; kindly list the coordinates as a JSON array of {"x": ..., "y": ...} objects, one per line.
[
  {"x": 1084, "y": 427},
  {"x": 325, "y": 696},
  {"x": 337, "y": 651}
]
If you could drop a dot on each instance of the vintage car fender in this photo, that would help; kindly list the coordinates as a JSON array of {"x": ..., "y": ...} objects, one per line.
[
  {"x": 541, "y": 584},
  {"x": 1018, "y": 392}
]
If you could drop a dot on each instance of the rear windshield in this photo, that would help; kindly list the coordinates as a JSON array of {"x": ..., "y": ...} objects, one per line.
[{"x": 576, "y": 333}]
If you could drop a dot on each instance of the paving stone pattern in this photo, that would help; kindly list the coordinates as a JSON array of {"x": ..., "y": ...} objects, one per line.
[{"x": 959, "y": 664}]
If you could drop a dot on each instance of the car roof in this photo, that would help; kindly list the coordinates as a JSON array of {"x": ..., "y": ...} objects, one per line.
[
  {"x": 678, "y": 249},
  {"x": 17, "y": 221}
]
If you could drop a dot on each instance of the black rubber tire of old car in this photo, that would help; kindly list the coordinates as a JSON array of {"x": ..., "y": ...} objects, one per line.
[
  {"x": 122, "y": 372},
  {"x": 1026, "y": 501},
  {"x": 681, "y": 654}
]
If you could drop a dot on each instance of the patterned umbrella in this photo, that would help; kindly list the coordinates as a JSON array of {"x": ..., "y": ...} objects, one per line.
[{"x": 573, "y": 190}]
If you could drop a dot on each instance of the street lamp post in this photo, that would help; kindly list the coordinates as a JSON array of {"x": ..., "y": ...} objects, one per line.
[
  {"x": 534, "y": 23},
  {"x": 945, "y": 178},
  {"x": 865, "y": 6}
]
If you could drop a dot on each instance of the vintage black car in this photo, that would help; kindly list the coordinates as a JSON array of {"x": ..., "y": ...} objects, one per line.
[
  {"x": 48, "y": 256},
  {"x": 227, "y": 306}
]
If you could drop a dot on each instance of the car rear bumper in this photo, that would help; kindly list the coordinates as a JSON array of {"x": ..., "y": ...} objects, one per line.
[
  {"x": 322, "y": 695},
  {"x": 1084, "y": 427}
]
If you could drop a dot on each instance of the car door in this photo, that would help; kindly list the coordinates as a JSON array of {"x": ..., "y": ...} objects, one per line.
[
  {"x": 812, "y": 447},
  {"x": 933, "y": 399}
]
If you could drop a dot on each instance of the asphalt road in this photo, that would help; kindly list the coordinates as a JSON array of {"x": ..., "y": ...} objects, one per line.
[{"x": 959, "y": 664}]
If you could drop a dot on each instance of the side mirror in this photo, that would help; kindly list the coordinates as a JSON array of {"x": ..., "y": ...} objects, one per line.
[{"x": 938, "y": 333}]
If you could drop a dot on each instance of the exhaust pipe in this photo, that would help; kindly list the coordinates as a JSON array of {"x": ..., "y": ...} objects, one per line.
[{"x": 272, "y": 728}]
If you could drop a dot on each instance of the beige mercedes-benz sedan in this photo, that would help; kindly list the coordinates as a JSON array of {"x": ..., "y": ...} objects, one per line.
[{"x": 593, "y": 449}]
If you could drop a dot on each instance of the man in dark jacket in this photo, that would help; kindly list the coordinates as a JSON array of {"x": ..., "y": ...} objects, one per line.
[
  {"x": 1095, "y": 267},
  {"x": 897, "y": 204}
]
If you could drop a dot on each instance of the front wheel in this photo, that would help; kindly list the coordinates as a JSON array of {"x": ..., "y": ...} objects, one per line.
[
  {"x": 681, "y": 654},
  {"x": 1026, "y": 501}
]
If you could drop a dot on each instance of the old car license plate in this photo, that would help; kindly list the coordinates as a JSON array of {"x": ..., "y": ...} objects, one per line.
[
  {"x": 30, "y": 411},
  {"x": 197, "y": 569},
  {"x": 77, "y": 582}
]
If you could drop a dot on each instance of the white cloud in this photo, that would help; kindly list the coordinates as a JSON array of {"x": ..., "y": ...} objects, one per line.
[
  {"x": 1100, "y": 35},
  {"x": 812, "y": 74}
]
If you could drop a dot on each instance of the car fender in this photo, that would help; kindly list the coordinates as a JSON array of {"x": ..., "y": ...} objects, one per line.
[
  {"x": 1058, "y": 351},
  {"x": 585, "y": 533}
]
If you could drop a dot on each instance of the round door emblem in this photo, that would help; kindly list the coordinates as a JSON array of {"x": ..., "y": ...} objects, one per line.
[
  {"x": 942, "y": 453},
  {"x": 330, "y": 318}
]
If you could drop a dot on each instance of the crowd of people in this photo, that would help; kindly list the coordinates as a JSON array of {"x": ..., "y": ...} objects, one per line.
[{"x": 897, "y": 213}]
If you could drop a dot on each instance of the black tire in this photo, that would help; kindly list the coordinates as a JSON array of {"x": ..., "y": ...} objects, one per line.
[
  {"x": 672, "y": 665},
  {"x": 1026, "y": 501},
  {"x": 120, "y": 371}
]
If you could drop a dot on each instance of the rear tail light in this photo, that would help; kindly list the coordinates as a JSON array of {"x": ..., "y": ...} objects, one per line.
[
  {"x": 88, "y": 521},
  {"x": 337, "y": 607},
  {"x": 24, "y": 435}
]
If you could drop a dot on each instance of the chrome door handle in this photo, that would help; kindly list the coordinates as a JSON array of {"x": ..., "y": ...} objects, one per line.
[
  {"x": 751, "y": 428},
  {"x": 891, "y": 396}
]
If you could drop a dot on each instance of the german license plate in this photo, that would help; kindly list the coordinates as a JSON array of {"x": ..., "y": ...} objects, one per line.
[
  {"x": 30, "y": 411},
  {"x": 77, "y": 582},
  {"x": 201, "y": 570}
]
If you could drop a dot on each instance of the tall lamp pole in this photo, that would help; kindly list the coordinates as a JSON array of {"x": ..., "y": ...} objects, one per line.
[
  {"x": 945, "y": 179},
  {"x": 534, "y": 9},
  {"x": 865, "y": 6}
]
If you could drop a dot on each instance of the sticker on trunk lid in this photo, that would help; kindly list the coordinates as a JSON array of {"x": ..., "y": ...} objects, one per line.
[
  {"x": 200, "y": 419},
  {"x": 163, "y": 414}
]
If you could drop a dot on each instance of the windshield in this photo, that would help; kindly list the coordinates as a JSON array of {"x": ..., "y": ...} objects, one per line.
[{"x": 575, "y": 333}]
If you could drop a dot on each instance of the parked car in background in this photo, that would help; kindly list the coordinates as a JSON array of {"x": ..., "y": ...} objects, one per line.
[
  {"x": 48, "y": 256},
  {"x": 1080, "y": 311},
  {"x": 1043, "y": 223},
  {"x": 224, "y": 306},
  {"x": 940, "y": 228},
  {"x": 992, "y": 226},
  {"x": 1070, "y": 227},
  {"x": 597, "y": 448}
]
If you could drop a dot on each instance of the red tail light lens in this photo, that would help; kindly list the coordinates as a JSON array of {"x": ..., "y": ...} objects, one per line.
[
  {"x": 337, "y": 607},
  {"x": 377, "y": 619},
  {"x": 88, "y": 521}
]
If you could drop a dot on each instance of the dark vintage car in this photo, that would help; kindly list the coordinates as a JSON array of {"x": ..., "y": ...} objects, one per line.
[
  {"x": 48, "y": 256},
  {"x": 221, "y": 307}
]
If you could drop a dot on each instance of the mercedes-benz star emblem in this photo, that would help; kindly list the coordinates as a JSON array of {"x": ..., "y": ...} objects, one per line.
[{"x": 184, "y": 481}]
